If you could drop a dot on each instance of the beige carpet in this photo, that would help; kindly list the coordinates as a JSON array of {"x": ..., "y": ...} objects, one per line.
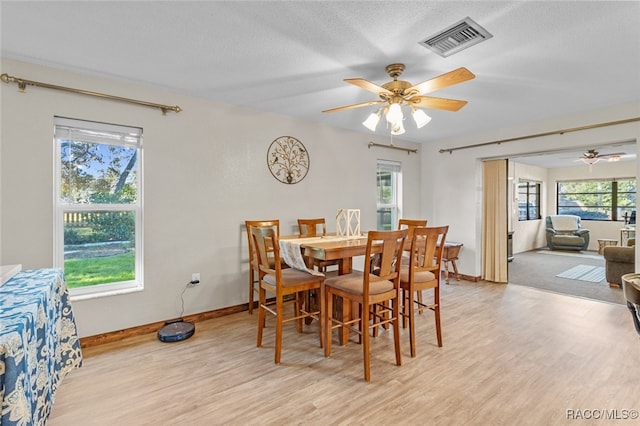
[{"x": 538, "y": 269}]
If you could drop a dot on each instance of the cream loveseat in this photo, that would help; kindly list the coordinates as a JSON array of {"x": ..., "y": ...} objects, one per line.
[{"x": 565, "y": 232}]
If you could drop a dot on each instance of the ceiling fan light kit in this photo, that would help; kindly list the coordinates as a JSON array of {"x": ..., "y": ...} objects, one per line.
[
  {"x": 398, "y": 93},
  {"x": 590, "y": 161},
  {"x": 420, "y": 117},
  {"x": 592, "y": 156}
]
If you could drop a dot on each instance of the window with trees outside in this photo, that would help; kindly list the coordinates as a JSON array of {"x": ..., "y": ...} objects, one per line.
[
  {"x": 98, "y": 206},
  {"x": 605, "y": 199},
  {"x": 528, "y": 200},
  {"x": 389, "y": 197}
]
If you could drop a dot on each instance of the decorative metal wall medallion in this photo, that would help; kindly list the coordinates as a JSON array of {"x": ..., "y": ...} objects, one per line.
[{"x": 288, "y": 159}]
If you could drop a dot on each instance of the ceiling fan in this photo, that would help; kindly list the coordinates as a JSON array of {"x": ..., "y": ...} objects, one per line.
[
  {"x": 397, "y": 93},
  {"x": 592, "y": 156}
]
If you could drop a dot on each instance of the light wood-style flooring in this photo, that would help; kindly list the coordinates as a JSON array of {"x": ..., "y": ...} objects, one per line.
[{"x": 512, "y": 355}]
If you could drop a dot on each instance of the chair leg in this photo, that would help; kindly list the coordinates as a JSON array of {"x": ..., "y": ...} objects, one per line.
[
  {"x": 279, "y": 314},
  {"x": 406, "y": 299},
  {"x": 436, "y": 301},
  {"x": 364, "y": 335},
  {"x": 311, "y": 303},
  {"x": 299, "y": 302},
  {"x": 396, "y": 331},
  {"x": 262, "y": 300},
  {"x": 412, "y": 322},
  {"x": 328, "y": 322},
  {"x": 251, "y": 289}
]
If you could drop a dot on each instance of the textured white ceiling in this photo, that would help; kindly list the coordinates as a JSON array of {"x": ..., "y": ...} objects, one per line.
[{"x": 545, "y": 59}]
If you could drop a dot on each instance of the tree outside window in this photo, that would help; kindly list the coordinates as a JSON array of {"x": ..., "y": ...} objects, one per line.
[{"x": 597, "y": 199}]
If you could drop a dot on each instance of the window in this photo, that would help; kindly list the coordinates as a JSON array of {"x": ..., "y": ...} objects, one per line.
[
  {"x": 528, "y": 200},
  {"x": 98, "y": 202},
  {"x": 389, "y": 199},
  {"x": 597, "y": 199}
]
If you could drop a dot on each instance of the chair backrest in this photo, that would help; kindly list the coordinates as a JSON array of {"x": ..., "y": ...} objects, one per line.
[
  {"x": 309, "y": 227},
  {"x": 410, "y": 224},
  {"x": 564, "y": 222},
  {"x": 274, "y": 223},
  {"x": 387, "y": 246},
  {"x": 427, "y": 247},
  {"x": 265, "y": 242}
]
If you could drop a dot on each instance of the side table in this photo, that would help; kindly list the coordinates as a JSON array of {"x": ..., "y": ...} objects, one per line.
[
  {"x": 450, "y": 254},
  {"x": 603, "y": 242}
]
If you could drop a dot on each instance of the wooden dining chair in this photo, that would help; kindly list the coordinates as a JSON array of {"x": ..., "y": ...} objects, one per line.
[
  {"x": 368, "y": 290},
  {"x": 315, "y": 228},
  {"x": 409, "y": 225},
  {"x": 253, "y": 260},
  {"x": 281, "y": 283},
  {"x": 422, "y": 273}
]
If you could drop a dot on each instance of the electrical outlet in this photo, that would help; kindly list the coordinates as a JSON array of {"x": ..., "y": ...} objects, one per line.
[{"x": 195, "y": 278}]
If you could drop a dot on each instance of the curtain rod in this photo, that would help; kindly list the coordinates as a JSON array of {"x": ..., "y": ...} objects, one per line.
[
  {"x": 537, "y": 135},
  {"x": 22, "y": 86},
  {"x": 409, "y": 150}
]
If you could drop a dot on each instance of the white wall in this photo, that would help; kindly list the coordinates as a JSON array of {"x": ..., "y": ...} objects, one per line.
[
  {"x": 205, "y": 173},
  {"x": 453, "y": 182}
]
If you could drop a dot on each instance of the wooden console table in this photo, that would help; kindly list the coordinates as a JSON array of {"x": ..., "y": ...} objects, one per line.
[{"x": 450, "y": 254}]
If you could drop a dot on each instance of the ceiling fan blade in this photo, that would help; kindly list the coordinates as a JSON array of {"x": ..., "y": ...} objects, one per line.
[
  {"x": 445, "y": 80},
  {"x": 367, "y": 85},
  {"x": 436, "y": 103},
  {"x": 615, "y": 154},
  {"x": 360, "y": 105}
]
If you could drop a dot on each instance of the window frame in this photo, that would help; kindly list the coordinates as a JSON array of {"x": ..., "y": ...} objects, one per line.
[
  {"x": 395, "y": 168},
  {"x": 529, "y": 201},
  {"x": 61, "y": 207},
  {"x": 613, "y": 193}
]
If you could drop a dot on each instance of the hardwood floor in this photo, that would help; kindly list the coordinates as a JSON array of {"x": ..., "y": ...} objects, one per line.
[{"x": 511, "y": 355}]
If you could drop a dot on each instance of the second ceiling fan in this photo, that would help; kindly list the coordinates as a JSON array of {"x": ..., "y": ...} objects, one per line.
[
  {"x": 592, "y": 156},
  {"x": 397, "y": 93}
]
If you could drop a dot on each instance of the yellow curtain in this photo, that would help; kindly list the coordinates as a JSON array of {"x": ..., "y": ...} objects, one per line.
[{"x": 494, "y": 221}]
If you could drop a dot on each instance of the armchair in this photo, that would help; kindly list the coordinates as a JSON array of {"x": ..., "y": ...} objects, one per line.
[
  {"x": 565, "y": 232},
  {"x": 619, "y": 261}
]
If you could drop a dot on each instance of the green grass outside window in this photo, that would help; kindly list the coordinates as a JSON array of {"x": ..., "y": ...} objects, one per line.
[{"x": 99, "y": 270}]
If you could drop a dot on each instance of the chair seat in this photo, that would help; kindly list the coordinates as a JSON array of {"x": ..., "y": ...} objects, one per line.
[
  {"x": 293, "y": 278},
  {"x": 418, "y": 277},
  {"x": 352, "y": 283}
]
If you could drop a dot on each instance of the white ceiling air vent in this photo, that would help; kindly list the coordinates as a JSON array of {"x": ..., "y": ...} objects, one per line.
[{"x": 457, "y": 37}]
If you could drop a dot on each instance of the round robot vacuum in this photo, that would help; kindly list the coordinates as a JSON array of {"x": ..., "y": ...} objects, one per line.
[{"x": 176, "y": 331}]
